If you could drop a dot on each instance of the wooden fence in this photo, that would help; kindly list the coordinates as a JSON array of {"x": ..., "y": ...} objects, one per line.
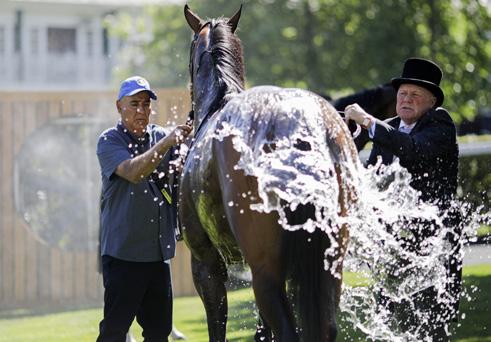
[{"x": 33, "y": 271}]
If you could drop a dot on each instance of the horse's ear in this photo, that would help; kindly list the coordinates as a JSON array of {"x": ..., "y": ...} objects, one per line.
[
  {"x": 193, "y": 20},
  {"x": 234, "y": 21}
]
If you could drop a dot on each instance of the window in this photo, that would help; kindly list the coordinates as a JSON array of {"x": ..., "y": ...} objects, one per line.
[
  {"x": 105, "y": 42},
  {"x": 62, "y": 40},
  {"x": 2, "y": 41},
  {"x": 34, "y": 41},
  {"x": 17, "y": 31},
  {"x": 90, "y": 43}
]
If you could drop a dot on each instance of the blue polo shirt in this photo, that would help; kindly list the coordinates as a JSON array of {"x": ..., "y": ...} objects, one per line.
[{"x": 137, "y": 223}]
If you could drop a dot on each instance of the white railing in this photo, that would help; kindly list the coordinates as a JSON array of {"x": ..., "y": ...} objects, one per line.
[{"x": 465, "y": 149}]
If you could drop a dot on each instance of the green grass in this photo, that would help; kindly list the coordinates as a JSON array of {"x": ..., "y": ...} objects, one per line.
[
  {"x": 82, "y": 325},
  {"x": 483, "y": 230}
]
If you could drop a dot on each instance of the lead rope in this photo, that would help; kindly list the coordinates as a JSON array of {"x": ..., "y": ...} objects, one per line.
[
  {"x": 177, "y": 177},
  {"x": 357, "y": 131}
]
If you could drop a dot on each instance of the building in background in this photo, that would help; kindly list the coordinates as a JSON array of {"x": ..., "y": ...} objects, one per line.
[
  {"x": 59, "y": 44},
  {"x": 56, "y": 97}
]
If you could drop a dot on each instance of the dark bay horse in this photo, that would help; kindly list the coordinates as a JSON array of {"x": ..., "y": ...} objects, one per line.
[{"x": 260, "y": 159}]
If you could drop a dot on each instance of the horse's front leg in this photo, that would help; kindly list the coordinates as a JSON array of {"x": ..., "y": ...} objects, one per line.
[{"x": 209, "y": 278}]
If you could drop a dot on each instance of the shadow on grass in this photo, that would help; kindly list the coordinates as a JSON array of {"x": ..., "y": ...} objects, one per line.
[
  {"x": 476, "y": 310},
  {"x": 41, "y": 309},
  {"x": 242, "y": 318}
]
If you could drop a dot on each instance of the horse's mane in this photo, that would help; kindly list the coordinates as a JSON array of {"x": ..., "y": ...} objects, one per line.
[{"x": 226, "y": 51}]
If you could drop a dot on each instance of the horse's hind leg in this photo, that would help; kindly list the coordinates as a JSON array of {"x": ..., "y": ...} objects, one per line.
[
  {"x": 263, "y": 331},
  {"x": 209, "y": 278},
  {"x": 271, "y": 299},
  {"x": 330, "y": 288},
  {"x": 329, "y": 295},
  {"x": 259, "y": 238}
]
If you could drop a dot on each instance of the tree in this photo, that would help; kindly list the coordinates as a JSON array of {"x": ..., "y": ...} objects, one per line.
[{"x": 334, "y": 47}]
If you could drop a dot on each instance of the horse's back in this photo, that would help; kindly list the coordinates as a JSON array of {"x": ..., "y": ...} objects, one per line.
[
  {"x": 274, "y": 113},
  {"x": 291, "y": 142}
]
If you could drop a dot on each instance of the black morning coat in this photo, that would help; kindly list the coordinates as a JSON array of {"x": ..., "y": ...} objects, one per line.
[{"x": 430, "y": 153}]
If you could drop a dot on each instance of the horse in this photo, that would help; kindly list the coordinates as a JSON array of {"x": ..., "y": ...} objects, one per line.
[
  {"x": 379, "y": 101},
  {"x": 243, "y": 196}
]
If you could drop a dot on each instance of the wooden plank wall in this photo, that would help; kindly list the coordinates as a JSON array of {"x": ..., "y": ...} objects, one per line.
[{"x": 32, "y": 272}]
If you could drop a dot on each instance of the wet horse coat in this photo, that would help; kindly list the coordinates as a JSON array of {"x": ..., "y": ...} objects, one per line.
[{"x": 243, "y": 194}]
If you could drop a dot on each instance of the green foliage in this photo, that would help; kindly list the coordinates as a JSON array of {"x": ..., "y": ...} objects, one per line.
[
  {"x": 159, "y": 51},
  {"x": 475, "y": 180},
  {"x": 328, "y": 46}
]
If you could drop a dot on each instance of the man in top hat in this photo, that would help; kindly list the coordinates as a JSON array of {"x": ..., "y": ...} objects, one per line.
[
  {"x": 137, "y": 217},
  {"x": 423, "y": 137}
]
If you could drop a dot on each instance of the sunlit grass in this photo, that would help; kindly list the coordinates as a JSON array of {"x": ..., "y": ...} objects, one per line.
[
  {"x": 189, "y": 314},
  {"x": 483, "y": 230}
]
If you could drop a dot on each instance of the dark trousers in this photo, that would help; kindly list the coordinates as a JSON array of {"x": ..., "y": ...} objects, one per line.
[
  {"x": 432, "y": 320},
  {"x": 136, "y": 289}
]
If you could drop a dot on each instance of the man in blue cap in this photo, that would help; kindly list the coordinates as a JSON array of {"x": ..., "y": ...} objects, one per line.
[
  {"x": 423, "y": 137},
  {"x": 137, "y": 218}
]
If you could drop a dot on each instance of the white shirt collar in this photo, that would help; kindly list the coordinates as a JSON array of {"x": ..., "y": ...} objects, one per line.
[{"x": 408, "y": 128}]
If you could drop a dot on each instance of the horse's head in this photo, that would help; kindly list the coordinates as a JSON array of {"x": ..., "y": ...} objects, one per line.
[{"x": 216, "y": 63}]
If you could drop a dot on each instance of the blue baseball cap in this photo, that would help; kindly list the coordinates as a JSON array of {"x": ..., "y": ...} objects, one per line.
[{"x": 133, "y": 85}]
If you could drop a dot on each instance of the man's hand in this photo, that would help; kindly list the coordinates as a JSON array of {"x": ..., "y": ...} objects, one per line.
[
  {"x": 357, "y": 114},
  {"x": 138, "y": 168},
  {"x": 177, "y": 164},
  {"x": 179, "y": 134}
]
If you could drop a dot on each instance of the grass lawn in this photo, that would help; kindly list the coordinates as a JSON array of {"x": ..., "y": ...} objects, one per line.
[{"x": 82, "y": 325}]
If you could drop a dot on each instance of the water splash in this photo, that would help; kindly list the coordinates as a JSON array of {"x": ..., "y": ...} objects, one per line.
[
  {"x": 398, "y": 262},
  {"x": 286, "y": 143}
]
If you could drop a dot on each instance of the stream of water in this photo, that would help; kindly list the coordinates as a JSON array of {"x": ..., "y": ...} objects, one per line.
[{"x": 399, "y": 244}]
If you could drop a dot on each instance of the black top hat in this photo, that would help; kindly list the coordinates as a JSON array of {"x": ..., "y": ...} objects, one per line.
[{"x": 424, "y": 73}]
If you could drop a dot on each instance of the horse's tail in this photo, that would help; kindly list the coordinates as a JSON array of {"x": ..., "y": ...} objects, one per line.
[{"x": 312, "y": 288}]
